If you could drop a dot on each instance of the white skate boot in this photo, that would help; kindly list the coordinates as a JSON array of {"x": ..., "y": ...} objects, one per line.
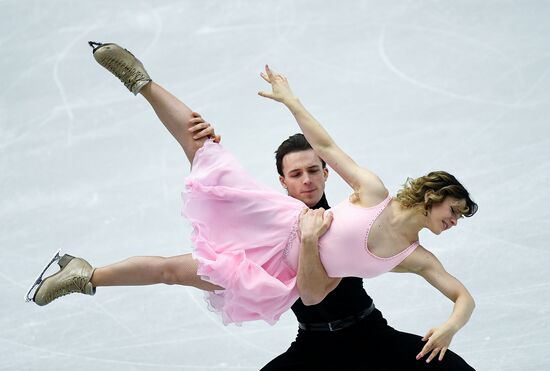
[
  {"x": 121, "y": 63},
  {"x": 74, "y": 276}
]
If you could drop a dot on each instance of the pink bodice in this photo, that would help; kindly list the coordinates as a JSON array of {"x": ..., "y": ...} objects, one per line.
[{"x": 343, "y": 248}]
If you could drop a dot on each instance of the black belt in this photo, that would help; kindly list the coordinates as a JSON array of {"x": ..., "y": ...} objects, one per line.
[{"x": 338, "y": 324}]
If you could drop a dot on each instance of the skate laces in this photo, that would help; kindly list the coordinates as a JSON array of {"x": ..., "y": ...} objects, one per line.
[
  {"x": 129, "y": 75},
  {"x": 75, "y": 284}
]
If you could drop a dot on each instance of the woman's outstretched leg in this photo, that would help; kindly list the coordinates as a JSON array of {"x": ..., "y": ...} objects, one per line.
[
  {"x": 150, "y": 270},
  {"x": 78, "y": 276},
  {"x": 175, "y": 116},
  {"x": 172, "y": 112}
]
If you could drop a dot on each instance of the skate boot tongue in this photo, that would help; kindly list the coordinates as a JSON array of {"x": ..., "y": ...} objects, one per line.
[{"x": 121, "y": 63}]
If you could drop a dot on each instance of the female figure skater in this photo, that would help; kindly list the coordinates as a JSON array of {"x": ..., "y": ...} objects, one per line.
[{"x": 246, "y": 240}]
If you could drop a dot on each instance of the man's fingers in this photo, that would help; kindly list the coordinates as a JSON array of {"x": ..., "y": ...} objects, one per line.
[
  {"x": 327, "y": 221},
  {"x": 209, "y": 131},
  {"x": 320, "y": 213},
  {"x": 198, "y": 126},
  {"x": 196, "y": 120},
  {"x": 195, "y": 114},
  {"x": 264, "y": 76},
  {"x": 203, "y": 133}
]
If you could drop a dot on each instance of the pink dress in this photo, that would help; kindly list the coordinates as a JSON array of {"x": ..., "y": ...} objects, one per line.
[{"x": 246, "y": 240}]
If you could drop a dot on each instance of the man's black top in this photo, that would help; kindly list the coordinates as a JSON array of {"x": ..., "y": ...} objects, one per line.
[{"x": 347, "y": 299}]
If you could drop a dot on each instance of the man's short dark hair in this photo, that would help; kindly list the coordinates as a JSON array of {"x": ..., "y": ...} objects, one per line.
[{"x": 294, "y": 143}]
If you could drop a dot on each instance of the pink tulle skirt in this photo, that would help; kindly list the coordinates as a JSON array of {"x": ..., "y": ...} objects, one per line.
[{"x": 242, "y": 231}]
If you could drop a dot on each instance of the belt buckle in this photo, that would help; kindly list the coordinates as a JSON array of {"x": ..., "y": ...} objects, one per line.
[{"x": 336, "y": 325}]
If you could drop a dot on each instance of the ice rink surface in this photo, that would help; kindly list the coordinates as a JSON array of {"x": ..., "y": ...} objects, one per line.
[{"x": 404, "y": 87}]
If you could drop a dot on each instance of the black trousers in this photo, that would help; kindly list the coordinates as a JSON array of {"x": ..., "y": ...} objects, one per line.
[{"x": 370, "y": 345}]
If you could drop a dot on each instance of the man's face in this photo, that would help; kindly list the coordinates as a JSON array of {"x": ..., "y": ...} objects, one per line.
[{"x": 304, "y": 177}]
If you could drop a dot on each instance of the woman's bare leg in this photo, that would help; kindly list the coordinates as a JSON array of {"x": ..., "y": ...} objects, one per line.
[
  {"x": 150, "y": 270},
  {"x": 175, "y": 116},
  {"x": 172, "y": 112}
]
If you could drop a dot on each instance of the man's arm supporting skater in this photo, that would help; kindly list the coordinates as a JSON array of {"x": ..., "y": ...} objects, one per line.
[{"x": 313, "y": 282}]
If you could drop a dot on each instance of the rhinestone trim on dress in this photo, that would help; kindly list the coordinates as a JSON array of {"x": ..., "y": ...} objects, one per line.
[{"x": 291, "y": 236}]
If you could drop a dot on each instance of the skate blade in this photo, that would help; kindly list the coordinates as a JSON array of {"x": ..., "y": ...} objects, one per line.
[{"x": 38, "y": 280}]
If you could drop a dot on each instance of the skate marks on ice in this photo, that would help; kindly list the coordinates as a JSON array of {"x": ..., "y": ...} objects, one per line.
[{"x": 513, "y": 71}]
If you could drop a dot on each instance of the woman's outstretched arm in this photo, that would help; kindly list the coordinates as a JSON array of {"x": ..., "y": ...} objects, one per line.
[
  {"x": 438, "y": 339},
  {"x": 360, "y": 179}
]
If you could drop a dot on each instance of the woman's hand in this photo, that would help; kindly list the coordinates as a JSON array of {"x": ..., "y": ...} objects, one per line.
[
  {"x": 279, "y": 85},
  {"x": 314, "y": 223},
  {"x": 438, "y": 341},
  {"x": 425, "y": 264},
  {"x": 199, "y": 128}
]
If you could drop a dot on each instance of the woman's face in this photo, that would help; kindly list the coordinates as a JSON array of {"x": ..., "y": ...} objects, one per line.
[{"x": 445, "y": 214}]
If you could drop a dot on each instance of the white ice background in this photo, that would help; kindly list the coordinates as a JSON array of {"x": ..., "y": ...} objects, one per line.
[{"x": 404, "y": 87}]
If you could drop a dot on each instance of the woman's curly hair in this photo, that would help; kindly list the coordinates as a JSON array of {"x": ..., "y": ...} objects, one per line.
[{"x": 439, "y": 184}]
